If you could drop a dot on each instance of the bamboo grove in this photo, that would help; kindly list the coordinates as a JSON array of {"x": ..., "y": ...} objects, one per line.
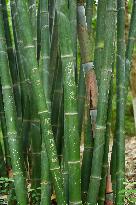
[{"x": 56, "y": 91}]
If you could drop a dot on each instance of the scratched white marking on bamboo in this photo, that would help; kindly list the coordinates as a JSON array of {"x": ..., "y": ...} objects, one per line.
[{"x": 71, "y": 113}]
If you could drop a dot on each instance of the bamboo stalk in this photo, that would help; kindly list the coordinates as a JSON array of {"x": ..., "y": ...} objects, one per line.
[
  {"x": 51, "y": 16},
  {"x": 99, "y": 42},
  {"x": 12, "y": 60},
  {"x": 44, "y": 69},
  {"x": 4, "y": 133},
  {"x": 24, "y": 86},
  {"x": 130, "y": 45},
  {"x": 33, "y": 19},
  {"x": 73, "y": 23},
  {"x": 120, "y": 82},
  {"x": 89, "y": 14},
  {"x": 85, "y": 47},
  {"x": 11, "y": 120},
  {"x": 53, "y": 64},
  {"x": 71, "y": 135},
  {"x": 57, "y": 109},
  {"x": 99, "y": 137},
  {"x": 38, "y": 32},
  {"x": 43, "y": 112},
  {"x": 105, "y": 166},
  {"x": 87, "y": 154},
  {"x": 81, "y": 99},
  {"x": 3, "y": 172}
]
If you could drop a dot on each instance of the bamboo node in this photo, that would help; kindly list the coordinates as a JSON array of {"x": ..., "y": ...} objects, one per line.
[
  {"x": 87, "y": 67},
  {"x": 73, "y": 162}
]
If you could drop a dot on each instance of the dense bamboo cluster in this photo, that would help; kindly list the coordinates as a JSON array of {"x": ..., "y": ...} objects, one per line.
[{"x": 56, "y": 91}]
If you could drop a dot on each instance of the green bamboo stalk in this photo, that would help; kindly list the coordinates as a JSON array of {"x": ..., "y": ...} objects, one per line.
[
  {"x": 57, "y": 108},
  {"x": 11, "y": 120},
  {"x": 99, "y": 137},
  {"x": 4, "y": 132},
  {"x": 33, "y": 19},
  {"x": 85, "y": 57},
  {"x": 45, "y": 178},
  {"x": 89, "y": 14},
  {"x": 35, "y": 137},
  {"x": 24, "y": 86},
  {"x": 73, "y": 23},
  {"x": 130, "y": 45},
  {"x": 60, "y": 133},
  {"x": 51, "y": 16},
  {"x": 25, "y": 29},
  {"x": 3, "y": 172},
  {"x": 12, "y": 60},
  {"x": 105, "y": 165},
  {"x": 99, "y": 42},
  {"x": 45, "y": 49},
  {"x": 44, "y": 69},
  {"x": 38, "y": 32},
  {"x": 71, "y": 135},
  {"x": 120, "y": 82},
  {"x": 81, "y": 98},
  {"x": 85, "y": 48},
  {"x": 53, "y": 64}
]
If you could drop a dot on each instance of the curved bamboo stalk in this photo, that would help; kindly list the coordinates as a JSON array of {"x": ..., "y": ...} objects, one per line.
[
  {"x": 24, "y": 86},
  {"x": 12, "y": 61},
  {"x": 11, "y": 121}
]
